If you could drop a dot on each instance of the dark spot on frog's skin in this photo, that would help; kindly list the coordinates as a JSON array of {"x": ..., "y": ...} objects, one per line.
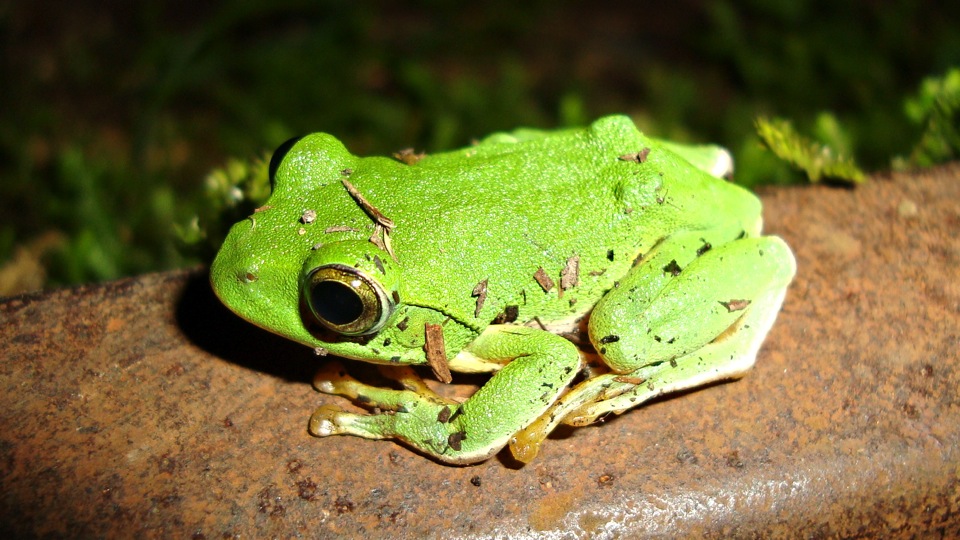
[
  {"x": 386, "y": 342},
  {"x": 402, "y": 325},
  {"x": 637, "y": 260},
  {"x": 363, "y": 399},
  {"x": 673, "y": 362},
  {"x": 743, "y": 234},
  {"x": 455, "y": 439},
  {"x": 610, "y": 255},
  {"x": 509, "y": 315},
  {"x": 395, "y": 359},
  {"x": 657, "y": 339},
  {"x": 603, "y": 350},
  {"x": 379, "y": 264},
  {"x": 475, "y": 481},
  {"x": 375, "y": 351},
  {"x": 612, "y": 338},
  {"x": 704, "y": 248},
  {"x": 455, "y": 414},
  {"x": 444, "y": 415},
  {"x": 672, "y": 268},
  {"x": 366, "y": 256},
  {"x": 346, "y": 172},
  {"x": 396, "y": 298}
]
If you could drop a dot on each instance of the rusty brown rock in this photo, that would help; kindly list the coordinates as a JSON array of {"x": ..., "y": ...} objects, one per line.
[{"x": 143, "y": 407}]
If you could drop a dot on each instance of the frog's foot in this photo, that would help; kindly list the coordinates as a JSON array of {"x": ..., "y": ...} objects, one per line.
[
  {"x": 593, "y": 399},
  {"x": 332, "y": 378},
  {"x": 525, "y": 444},
  {"x": 415, "y": 399},
  {"x": 538, "y": 367}
]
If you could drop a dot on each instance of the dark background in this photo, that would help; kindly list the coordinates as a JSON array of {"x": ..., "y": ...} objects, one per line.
[{"x": 114, "y": 113}]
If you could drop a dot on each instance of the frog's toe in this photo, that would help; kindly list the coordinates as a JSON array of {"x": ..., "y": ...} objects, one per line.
[
  {"x": 323, "y": 422},
  {"x": 330, "y": 420},
  {"x": 525, "y": 444},
  {"x": 331, "y": 377}
]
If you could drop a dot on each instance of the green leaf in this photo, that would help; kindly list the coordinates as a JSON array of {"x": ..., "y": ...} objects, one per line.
[
  {"x": 818, "y": 161},
  {"x": 936, "y": 106}
]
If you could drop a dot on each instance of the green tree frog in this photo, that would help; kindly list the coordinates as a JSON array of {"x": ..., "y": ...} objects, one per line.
[{"x": 516, "y": 256}]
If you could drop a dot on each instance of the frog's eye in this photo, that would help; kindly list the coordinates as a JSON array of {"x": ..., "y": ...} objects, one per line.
[{"x": 346, "y": 300}]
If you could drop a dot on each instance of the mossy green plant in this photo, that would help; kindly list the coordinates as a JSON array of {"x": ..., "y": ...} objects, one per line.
[
  {"x": 818, "y": 161},
  {"x": 936, "y": 107}
]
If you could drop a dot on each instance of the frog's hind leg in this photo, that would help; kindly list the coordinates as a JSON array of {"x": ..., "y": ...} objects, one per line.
[
  {"x": 729, "y": 356},
  {"x": 683, "y": 318}
]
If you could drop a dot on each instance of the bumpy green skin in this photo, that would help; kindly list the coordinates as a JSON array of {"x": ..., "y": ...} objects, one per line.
[{"x": 663, "y": 249}]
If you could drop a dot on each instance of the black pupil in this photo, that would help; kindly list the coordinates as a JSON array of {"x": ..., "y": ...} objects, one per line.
[{"x": 336, "y": 302}]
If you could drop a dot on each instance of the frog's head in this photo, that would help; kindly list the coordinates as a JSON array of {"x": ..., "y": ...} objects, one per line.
[{"x": 289, "y": 275}]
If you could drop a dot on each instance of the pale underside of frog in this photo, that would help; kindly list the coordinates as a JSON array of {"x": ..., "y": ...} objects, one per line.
[{"x": 497, "y": 258}]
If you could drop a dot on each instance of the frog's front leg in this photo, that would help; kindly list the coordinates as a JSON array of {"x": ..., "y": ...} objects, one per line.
[
  {"x": 692, "y": 312},
  {"x": 538, "y": 368}
]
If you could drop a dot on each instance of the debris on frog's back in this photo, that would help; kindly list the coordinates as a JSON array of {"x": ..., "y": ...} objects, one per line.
[
  {"x": 543, "y": 279},
  {"x": 637, "y": 157},
  {"x": 570, "y": 275},
  {"x": 480, "y": 292},
  {"x": 436, "y": 352}
]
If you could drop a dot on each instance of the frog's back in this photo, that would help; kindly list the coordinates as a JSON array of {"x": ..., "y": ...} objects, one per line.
[{"x": 547, "y": 221}]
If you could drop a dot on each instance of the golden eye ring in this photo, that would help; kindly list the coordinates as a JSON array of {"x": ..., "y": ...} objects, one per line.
[{"x": 347, "y": 300}]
